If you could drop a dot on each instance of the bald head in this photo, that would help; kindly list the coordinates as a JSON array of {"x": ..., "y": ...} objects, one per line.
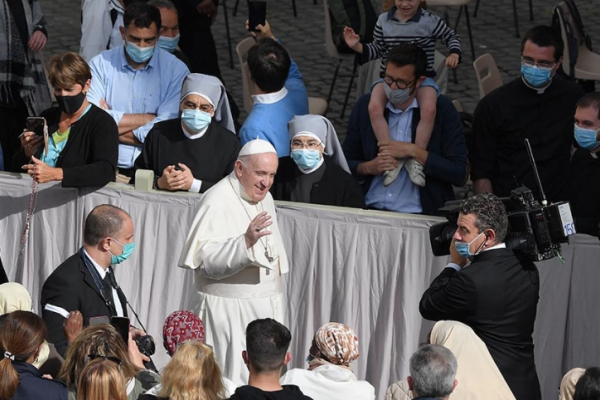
[{"x": 104, "y": 221}]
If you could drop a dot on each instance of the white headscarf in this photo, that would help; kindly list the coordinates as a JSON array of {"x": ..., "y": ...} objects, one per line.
[
  {"x": 214, "y": 92},
  {"x": 321, "y": 129}
]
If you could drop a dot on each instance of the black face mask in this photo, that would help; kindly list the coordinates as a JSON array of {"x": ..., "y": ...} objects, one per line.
[{"x": 70, "y": 104}]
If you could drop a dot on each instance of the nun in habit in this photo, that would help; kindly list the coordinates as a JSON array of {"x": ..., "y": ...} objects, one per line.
[
  {"x": 236, "y": 250},
  {"x": 198, "y": 149},
  {"x": 316, "y": 170}
]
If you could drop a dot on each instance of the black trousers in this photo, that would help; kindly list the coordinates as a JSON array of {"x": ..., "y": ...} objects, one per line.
[{"x": 12, "y": 123}]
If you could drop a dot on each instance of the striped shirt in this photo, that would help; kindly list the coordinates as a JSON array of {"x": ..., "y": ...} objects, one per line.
[{"x": 423, "y": 29}]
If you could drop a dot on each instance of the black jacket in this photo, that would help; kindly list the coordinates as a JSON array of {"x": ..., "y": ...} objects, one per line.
[
  {"x": 291, "y": 392},
  {"x": 90, "y": 155},
  {"x": 72, "y": 287},
  {"x": 497, "y": 297},
  {"x": 336, "y": 187},
  {"x": 33, "y": 387},
  {"x": 447, "y": 160}
]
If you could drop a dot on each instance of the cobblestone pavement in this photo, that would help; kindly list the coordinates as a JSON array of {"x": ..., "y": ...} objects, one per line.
[{"x": 303, "y": 36}]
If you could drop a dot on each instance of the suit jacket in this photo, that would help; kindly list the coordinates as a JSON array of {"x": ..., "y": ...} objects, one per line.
[
  {"x": 497, "y": 296},
  {"x": 336, "y": 187},
  {"x": 447, "y": 160},
  {"x": 72, "y": 287}
]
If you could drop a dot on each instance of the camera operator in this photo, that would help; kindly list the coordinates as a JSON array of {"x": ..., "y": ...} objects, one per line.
[
  {"x": 85, "y": 282},
  {"x": 495, "y": 293}
]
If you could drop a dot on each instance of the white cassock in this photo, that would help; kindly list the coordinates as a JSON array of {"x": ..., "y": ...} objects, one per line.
[{"x": 235, "y": 285}]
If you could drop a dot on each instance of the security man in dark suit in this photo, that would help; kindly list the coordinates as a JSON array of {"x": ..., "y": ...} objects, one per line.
[
  {"x": 496, "y": 294},
  {"x": 85, "y": 282}
]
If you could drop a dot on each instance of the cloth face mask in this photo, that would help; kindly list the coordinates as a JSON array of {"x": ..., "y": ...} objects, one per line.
[
  {"x": 139, "y": 54},
  {"x": 396, "y": 96},
  {"x": 70, "y": 104},
  {"x": 127, "y": 250},
  {"x": 586, "y": 138},
  {"x": 536, "y": 76},
  {"x": 195, "y": 120},
  {"x": 168, "y": 43},
  {"x": 305, "y": 159},
  {"x": 463, "y": 248}
]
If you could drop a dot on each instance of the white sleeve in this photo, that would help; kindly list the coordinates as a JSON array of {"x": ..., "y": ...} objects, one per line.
[{"x": 95, "y": 28}]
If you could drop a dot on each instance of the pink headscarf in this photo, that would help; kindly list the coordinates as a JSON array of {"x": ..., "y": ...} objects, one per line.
[{"x": 179, "y": 327}]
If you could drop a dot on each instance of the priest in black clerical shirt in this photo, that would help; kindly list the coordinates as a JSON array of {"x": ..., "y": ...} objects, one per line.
[{"x": 198, "y": 149}]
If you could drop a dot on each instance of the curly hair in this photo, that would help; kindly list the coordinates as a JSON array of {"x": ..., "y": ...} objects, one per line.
[
  {"x": 102, "y": 340},
  {"x": 489, "y": 212}
]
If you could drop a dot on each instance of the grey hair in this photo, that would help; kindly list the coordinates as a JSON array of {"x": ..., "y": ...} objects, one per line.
[
  {"x": 489, "y": 212},
  {"x": 163, "y": 4},
  {"x": 105, "y": 220},
  {"x": 433, "y": 369}
]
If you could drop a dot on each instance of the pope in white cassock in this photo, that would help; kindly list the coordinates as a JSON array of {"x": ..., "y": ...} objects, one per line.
[{"x": 236, "y": 249}]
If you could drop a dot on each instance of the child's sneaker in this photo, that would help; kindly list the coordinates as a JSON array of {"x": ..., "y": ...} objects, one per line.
[
  {"x": 390, "y": 176},
  {"x": 415, "y": 172}
]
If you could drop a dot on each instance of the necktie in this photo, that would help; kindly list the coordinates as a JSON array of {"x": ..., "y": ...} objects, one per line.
[{"x": 108, "y": 285}]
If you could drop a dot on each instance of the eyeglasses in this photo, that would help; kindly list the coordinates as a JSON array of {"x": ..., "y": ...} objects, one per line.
[
  {"x": 109, "y": 358},
  {"x": 400, "y": 84},
  {"x": 543, "y": 65},
  {"x": 207, "y": 108},
  {"x": 311, "y": 144}
]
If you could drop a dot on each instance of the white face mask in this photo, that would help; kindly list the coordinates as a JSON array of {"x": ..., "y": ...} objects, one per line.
[{"x": 43, "y": 356}]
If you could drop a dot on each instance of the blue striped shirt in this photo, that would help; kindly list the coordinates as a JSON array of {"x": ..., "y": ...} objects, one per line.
[{"x": 423, "y": 29}]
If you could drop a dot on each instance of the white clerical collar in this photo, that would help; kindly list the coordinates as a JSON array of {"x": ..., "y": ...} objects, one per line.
[
  {"x": 269, "y": 98},
  {"x": 100, "y": 270},
  {"x": 195, "y": 135},
  {"x": 538, "y": 90},
  {"x": 498, "y": 246},
  {"x": 414, "y": 104}
]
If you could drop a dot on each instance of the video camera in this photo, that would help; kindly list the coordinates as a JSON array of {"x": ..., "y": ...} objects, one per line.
[{"x": 535, "y": 230}]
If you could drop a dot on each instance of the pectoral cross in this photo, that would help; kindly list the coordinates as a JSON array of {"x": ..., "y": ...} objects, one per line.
[{"x": 268, "y": 257}]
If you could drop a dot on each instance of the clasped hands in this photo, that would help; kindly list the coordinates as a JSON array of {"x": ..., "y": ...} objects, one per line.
[{"x": 176, "y": 179}]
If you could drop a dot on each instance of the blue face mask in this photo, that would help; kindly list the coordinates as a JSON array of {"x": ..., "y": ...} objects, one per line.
[
  {"x": 139, "y": 54},
  {"x": 195, "y": 120},
  {"x": 306, "y": 159},
  {"x": 463, "y": 248},
  {"x": 535, "y": 76},
  {"x": 127, "y": 250},
  {"x": 586, "y": 138},
  {"x": 168, "y": 43}
]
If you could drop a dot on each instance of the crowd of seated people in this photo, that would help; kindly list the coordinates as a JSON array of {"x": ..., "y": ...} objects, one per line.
[
  {"x": 131, "y": 103},
  {"x": 166, "y": 121}
]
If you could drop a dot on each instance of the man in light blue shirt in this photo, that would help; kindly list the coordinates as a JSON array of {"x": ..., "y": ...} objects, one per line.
[
  {"x": 281, "y": 93},
  {"x": 444, "y": 161},
  {"x": 138, "y": 85}
]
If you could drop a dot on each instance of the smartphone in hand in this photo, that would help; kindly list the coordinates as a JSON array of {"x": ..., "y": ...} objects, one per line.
[
  {"x": 257, "y": 11},
  {"x": 35, "y": 125}
]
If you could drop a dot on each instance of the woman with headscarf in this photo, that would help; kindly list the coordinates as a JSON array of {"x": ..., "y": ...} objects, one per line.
[
  {"x": 477, "y": 375},
  {"x": 568, "y": 383},
  {"x": 316, "y": 171},
  {"x": 198, "y": 149},
  {"x": 184, "y": 327},
  {"x": 329, "y": 375}
]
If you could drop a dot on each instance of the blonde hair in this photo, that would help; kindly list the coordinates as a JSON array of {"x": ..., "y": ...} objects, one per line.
[
  {"x": 68, "y": 69},
  {"x": 102, "y": 340},
  {"x": 192, "y": 373},
  {"x": 101, "y": 379}
]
